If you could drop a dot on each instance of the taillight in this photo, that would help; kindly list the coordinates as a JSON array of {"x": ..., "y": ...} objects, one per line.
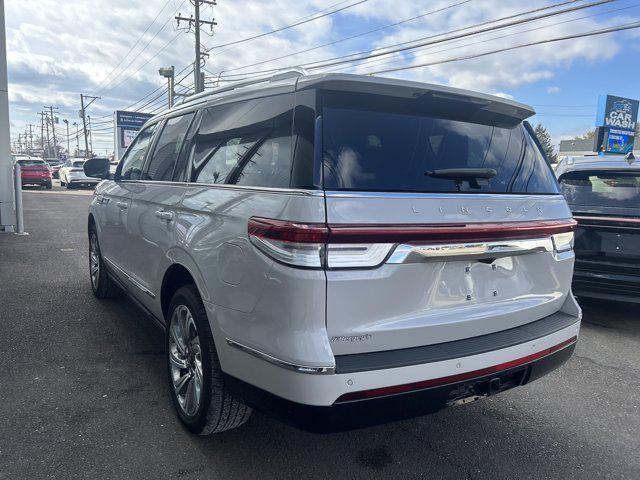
[
  {"x": 299, "y": 244},
  {"x": 318, "y": 245}
]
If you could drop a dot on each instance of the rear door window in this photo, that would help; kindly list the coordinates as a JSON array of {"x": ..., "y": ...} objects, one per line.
[
  {"x": 167, "y": 150},
  {"x": 375, "y": 145},
  {"x": 245, "y": 143},
  {"x": 602, "y": 189}
]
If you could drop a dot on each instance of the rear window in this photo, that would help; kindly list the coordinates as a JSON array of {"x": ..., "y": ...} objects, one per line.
[
  {"x": 605, "y": 189},
  {"x": 32, "y": 163},
  {"x": 371, "y": 143},
  {"x": 79, "y": 163}
]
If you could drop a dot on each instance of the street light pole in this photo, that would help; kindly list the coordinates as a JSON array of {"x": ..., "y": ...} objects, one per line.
[
  {"x": 68, "y": 147},
  {"x": 169, "y": 74}
]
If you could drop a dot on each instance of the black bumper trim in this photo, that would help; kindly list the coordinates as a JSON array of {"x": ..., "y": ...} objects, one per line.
[
  {"x": 364, "y": 413},
  {"x": 361, "y": 362}
]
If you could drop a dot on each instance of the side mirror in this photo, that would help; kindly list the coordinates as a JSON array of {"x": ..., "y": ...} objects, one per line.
[{"x": 97, "y": 168}]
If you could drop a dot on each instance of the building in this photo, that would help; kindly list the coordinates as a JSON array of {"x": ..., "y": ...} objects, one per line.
[{"x": 577, "y": 148}]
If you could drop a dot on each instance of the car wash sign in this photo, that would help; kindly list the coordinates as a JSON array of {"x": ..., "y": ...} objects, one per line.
[
  {"x": 128, "y": 124},
  {"x": 618, "y": 117}
]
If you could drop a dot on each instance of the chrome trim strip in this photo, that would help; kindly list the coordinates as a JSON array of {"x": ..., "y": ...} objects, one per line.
[
  {"x": 281, "y": 363},
  {"x": 286, "y": 191},
  {"x": 469, "y": 251},
  {"x": 440, "y": 196},
  {"x": 133, "y": 281}
]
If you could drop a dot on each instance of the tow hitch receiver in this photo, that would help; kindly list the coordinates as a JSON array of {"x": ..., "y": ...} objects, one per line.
[{"x": 474, "y": 390}]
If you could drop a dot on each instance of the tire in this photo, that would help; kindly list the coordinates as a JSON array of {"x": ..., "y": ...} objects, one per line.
[
  {"x": 216, "y": 409},
  {"x": 69, "y": 186},
  {"x": 101, "y": 283},
  {"x": 48, "y": 186}
]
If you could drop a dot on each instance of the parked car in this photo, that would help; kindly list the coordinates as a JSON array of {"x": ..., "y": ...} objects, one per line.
[
  {"x": 54, "y": 165},
  {"x": 604, "y": 194},
  {"x": 72, "y": 174},
  {"x": 35, "y": 172},
  {"x": 339, "y": 250}
]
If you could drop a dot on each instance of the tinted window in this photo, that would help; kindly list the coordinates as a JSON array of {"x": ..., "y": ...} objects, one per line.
[
  {"x": 133, "y": 159},
  {"x": 168, "y": 148},
  {"x": 398, "y": 148},
  {"x": 32, "y": 163},
  {"x": 270, "y": 164},
  {"x": 78, "y": 163},
  {"x": 602, "y": 189},
  {"x": 248, "y": 143}
]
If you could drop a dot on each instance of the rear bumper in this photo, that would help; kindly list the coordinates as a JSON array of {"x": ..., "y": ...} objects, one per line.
[
  {"x": 349, "y": 415},
  {"x": 36, "y": 181},
  {"x": 461, "y": 370}
]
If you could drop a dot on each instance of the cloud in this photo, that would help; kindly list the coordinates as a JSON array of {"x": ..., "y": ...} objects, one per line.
[
  {"x": 57, "y": 52},
  {"x": 553, "y": 89}
]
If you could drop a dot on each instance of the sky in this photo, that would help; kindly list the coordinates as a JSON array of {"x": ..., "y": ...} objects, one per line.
[{"x": 113, "y": 49}]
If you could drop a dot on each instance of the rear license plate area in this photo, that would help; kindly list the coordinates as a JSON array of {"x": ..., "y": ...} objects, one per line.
[{"x": 476, "y": 389}]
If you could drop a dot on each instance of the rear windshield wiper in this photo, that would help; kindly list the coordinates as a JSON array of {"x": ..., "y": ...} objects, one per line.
[{"x": 475, "y": 176}]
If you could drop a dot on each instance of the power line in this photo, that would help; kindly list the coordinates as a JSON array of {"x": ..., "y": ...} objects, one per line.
[
  {"x": 430, "y": 52},
  {"x": 102, "y": 83},
  {"x": 383, "y": 51},
  {"x": 103, "y": 91},
  {"x": 351, "y": 37},
  {"x": 286, "y": 27},
  {"x": 603, "y": 31}
]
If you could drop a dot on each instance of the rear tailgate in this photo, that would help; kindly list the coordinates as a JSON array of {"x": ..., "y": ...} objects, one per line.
[{"x": 464, "y": 256}]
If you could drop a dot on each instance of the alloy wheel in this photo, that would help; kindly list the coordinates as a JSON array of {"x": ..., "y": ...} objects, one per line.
[
  {"x": 185, "y": 360},
  {"x": 94, "y": 260}
]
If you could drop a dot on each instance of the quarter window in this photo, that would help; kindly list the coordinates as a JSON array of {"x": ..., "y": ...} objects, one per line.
[
  {"x": 245, "y": 143},
  {"x": 134, "y": 157},
  {"x": 168, "y": 148}
]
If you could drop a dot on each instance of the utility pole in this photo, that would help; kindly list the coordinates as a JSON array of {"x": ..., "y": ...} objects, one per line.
[
  {"x": 169, "y": 74},
  {"x": 83, "y": 114},
  {"x": 68, "y": 142},
  {"x": 31, "y": 125},
  {"x": 48, "y": 138},
  {"x": 196, "y": 22},
  {"x": 42, "y": 131},
  {"x": 53, "y": 129}
]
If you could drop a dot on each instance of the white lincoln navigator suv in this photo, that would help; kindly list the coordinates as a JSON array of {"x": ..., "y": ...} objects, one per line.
[{"x": 339, "y": 250}]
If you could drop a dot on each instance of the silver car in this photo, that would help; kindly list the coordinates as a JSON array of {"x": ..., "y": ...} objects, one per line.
[{"x": 339, "y": 250}]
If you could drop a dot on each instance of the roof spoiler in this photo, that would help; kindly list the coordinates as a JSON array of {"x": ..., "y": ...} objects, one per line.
[{"x": 448, "y": 102}]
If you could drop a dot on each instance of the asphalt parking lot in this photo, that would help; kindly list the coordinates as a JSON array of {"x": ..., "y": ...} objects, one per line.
[{"x": 84, "y": 393}]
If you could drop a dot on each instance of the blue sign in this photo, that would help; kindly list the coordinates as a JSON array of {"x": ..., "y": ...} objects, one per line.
[
  {"x": 131, "y": 120},
  {"x": 619, "y": 141},
  {"x": 617, "y": 112}
]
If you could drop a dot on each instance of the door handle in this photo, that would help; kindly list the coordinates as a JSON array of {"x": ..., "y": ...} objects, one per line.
[
  {"x": 123, "y": 205},
  {"x": 164, "y": 215}
]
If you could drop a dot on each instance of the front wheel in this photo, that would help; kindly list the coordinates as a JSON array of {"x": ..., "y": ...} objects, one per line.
[
  {"x": 101, "y": 283},
  {"x": 196, "y": 383}
]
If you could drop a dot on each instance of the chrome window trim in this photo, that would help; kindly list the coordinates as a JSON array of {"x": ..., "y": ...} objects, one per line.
[
  {"x": 469, "y": 251},
  {"x": 315, "y": 370},
  {"x": 439, "y": 196},
  {"x": 133, "y": 281},
  {"x": 286, "y": 191}
]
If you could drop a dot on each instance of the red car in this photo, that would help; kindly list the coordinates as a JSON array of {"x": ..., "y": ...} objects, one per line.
[{"x": 35, "y": 172}]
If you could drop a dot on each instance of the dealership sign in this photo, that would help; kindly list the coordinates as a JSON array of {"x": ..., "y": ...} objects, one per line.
[{"x": 128, "y": 124}]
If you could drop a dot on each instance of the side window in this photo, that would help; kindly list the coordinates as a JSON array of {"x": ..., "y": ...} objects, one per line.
[
  {"x": 245, "y": 143},
  {"x": 134, "y": 158},
  {"x": 168, "y": 148},
  {"x": 270, "y": 164}
]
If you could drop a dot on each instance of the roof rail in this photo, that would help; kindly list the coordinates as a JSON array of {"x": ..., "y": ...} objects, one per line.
[{"x": 280, "y": 75}]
